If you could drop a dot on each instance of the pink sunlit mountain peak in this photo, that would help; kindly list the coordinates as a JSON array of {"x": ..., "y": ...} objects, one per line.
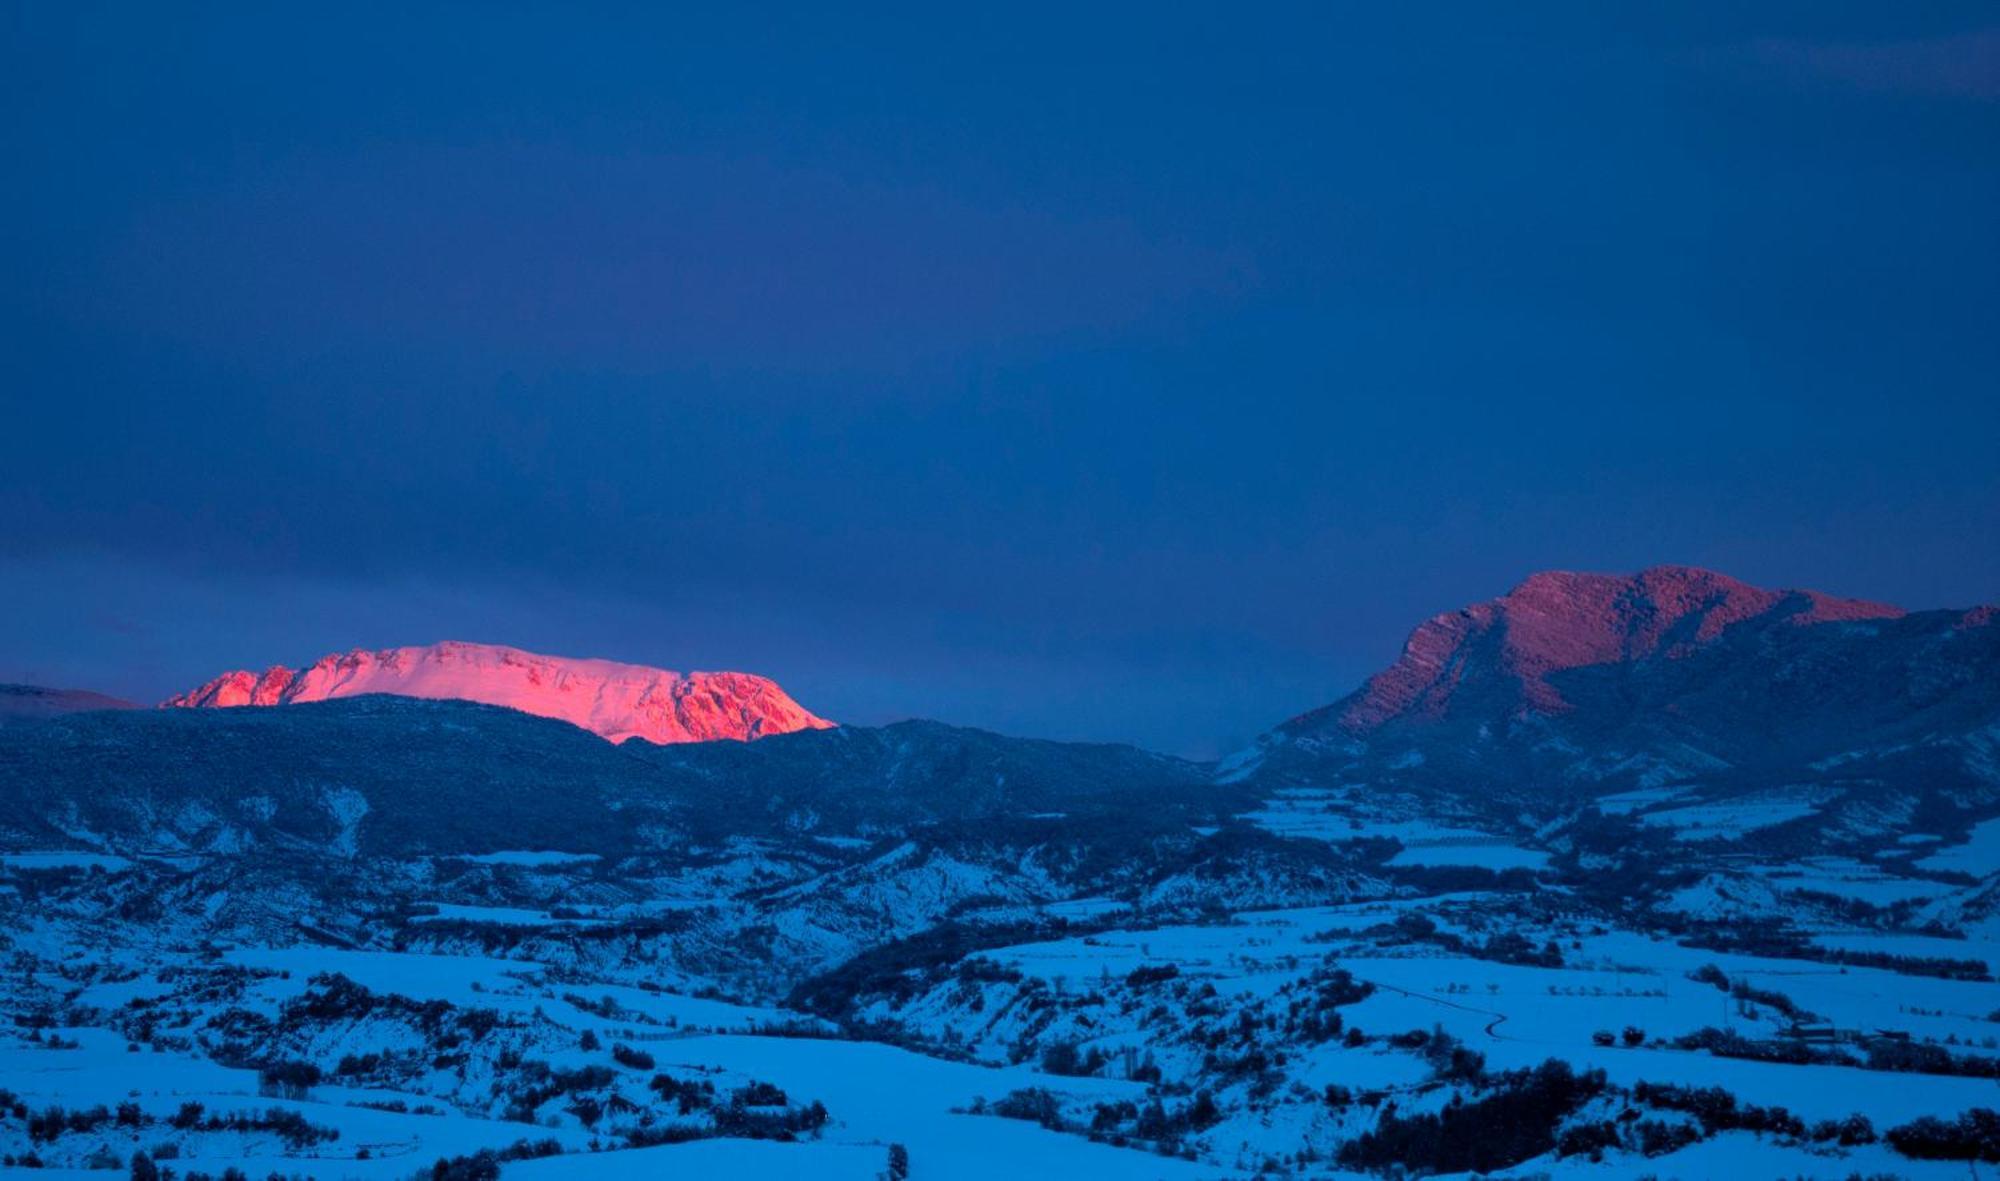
[
  {"x": 1502, "y": 652},
  {"x": 616, "y": 701}
]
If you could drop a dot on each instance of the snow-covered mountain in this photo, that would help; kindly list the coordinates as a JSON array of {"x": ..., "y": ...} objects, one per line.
[
  {"x": 1577, "y": 686},
  {"x": 617, "y": 701},
  {"x": 1500, "y": 659}
]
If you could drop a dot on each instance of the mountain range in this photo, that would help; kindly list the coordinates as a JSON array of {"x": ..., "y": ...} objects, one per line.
[{"x": 1569, "y": 689}]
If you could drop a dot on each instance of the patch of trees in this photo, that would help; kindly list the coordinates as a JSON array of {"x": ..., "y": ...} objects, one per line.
[
  {"x": 759, "y": 1111},
  {"x": 534, "y": 1084},
  {"x": 1612, "y": 859},
  {"x": 605, "y": 1007},
  {"x": 759, "y": 1094},
  {"x": 1777, "y": 940},
  {"x": 1065, "y": 1058},
  {"x": 1942, "y": 967},
  {"x": 689, "y": 1095},
  {"x": 331, "y": 996},
  {"x": 1725, "y": 1043},
  {"x": 1927, "y": 1058},
  {"x": 1034, "y": 1104},
  {"x": 53, "y": 1122},
  {"x": 1505, "y": 947},
  {"x": 903, "y": 969},
  {"x": 631, "y": 1056},
  {"x": 1590, "y": 1139},
  {"x": 1653, "y": 1137},
  {"x": 1311, "y": 1019},
  {"x": 980, "y": 970},
  {"x": 484, "y": 1165},
  {"x": 1515, "y": 1121},
  {"x": 1883, "y": 1054},
  {"x": 288, "y": 1079},
  {"x": 1719, "y": 1111},
  {"x": 751, "y": 1122},
  {"x": 1449, "y": 1060},
  {"x": 1973, "y": 1136},
  {"x": 1118, "y": 1123},
  {"x": 1745, "y": 992},
  {"x": 1456, "y": 879},
  {"x": 1849, "y": 1132}
]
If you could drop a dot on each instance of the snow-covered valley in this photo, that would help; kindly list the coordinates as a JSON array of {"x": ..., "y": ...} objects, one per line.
[{"x": 385, "y": 937}]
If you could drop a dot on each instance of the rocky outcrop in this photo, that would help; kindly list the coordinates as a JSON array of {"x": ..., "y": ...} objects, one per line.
[
  {"x": 1499, "y": 657},
  {"x": 1579, "y": 685}
]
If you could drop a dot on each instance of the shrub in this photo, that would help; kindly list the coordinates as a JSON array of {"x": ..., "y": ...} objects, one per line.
[
  {"x": 759, "y": 1094},
  {"x": 1718, "y": 1110},
  {"x": 1659, "y": 1137},
  {"x": 1030, "y": 1103},
  {"x": 289, "y": 1079},
  {"x": 1853, "y": 1130}
]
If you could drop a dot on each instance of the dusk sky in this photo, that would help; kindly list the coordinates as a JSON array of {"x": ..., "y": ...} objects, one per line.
[{"x": 1141, "y": 374}]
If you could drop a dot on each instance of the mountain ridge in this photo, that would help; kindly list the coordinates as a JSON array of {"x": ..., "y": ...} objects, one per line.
[
  {"x": 1680, "y": 682},
  {"x": 1557, "y": 620},
  {"x": 614, "y": 700}
]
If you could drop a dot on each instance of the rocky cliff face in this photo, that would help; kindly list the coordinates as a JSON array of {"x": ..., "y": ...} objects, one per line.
[
  {"x": 617, "y": 701},
  {"x": 1578, "y": 685},
  {"x": 1501, "y": 658}
]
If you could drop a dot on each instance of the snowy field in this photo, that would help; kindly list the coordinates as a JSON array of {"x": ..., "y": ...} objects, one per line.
[
  {"x": 1727, "y": 821},
  {"x": 1979, "y": 855}
]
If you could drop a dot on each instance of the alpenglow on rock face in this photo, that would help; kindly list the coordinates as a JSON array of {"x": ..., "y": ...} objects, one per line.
[
  {"x": 1503, "y": 657},
  {"x": 616, "y": 701},
  {"x": 1578, "y": 685}
]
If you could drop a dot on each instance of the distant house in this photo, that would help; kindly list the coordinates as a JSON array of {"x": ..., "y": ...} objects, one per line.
[{"x": 1813, "y": 1032}]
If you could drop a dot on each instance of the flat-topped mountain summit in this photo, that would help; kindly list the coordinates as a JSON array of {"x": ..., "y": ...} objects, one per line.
[{"x": 616, "y": 701}]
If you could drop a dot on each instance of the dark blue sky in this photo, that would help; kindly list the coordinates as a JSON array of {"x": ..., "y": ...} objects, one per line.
[{"x": 1142, "y": 374}]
